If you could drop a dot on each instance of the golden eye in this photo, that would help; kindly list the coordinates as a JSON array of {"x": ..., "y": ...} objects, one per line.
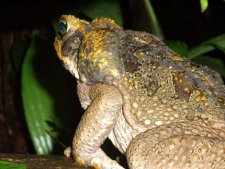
[{"x": 63, "y": 27}]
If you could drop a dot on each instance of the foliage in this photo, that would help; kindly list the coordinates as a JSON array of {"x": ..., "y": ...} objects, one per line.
[
  {"x": 10, "y": 165},
  {"x": 204, "y": 5},
  {"x": 197, "y": 53},
  {"x": 45, "y": 92}
]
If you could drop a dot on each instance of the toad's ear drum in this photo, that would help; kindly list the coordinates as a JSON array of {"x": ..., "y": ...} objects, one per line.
[{"x": 98, "y": 60}]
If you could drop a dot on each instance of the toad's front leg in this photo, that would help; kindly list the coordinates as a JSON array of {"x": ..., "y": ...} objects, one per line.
[{"x": 95, "y": 126}]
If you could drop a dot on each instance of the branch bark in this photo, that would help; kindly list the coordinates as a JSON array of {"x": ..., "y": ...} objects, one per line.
[{"x": 42, "y": 161}]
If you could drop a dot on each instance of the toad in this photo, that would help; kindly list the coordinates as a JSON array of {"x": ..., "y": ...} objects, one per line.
[{"x": 159, "y": 109}]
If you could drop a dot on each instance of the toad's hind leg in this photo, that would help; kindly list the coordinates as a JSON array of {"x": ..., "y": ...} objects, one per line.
[{"x": 150, "y": 151}]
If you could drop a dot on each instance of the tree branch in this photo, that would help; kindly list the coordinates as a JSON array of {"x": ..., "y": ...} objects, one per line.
[{"x": 42, "y": 161}]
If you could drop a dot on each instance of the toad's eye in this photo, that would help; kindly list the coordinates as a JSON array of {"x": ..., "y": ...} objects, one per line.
[{"x": 63, "y": 27}]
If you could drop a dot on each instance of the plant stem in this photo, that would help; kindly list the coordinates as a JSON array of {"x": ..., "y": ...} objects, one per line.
[{"x": 154, "y": 24}]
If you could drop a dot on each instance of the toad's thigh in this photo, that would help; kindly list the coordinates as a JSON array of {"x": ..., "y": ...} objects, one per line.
[{"x": 176, "y": 152}]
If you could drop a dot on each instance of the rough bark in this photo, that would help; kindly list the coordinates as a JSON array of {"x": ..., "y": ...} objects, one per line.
[
  {"x": 42, "y": 161},
  {"x": 12, "y": 128}
]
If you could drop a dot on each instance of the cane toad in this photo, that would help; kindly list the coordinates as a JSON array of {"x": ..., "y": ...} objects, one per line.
[{"x": 158, "y": 108}]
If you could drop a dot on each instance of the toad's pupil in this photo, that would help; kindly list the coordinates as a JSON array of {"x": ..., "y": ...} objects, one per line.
[{"x": 62, "y": 27}]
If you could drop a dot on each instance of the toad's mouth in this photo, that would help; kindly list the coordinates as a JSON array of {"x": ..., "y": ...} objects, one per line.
[{"x": 58, "y": 47}]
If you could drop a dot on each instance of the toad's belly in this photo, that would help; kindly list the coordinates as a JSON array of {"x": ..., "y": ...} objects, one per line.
[{"x": 122, "y": 134}]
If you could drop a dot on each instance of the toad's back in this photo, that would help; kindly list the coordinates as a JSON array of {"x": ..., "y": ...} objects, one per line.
[{"x": 164, "y": 87}]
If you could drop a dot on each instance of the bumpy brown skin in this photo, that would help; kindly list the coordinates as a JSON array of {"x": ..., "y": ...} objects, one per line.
[{"x": 159, "y": 109}]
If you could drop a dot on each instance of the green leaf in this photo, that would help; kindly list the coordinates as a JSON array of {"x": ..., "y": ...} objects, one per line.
[
  {"x": 10, "y": 165},
  {"x": 18, "y": 50},
  {"x": 101, "y": 8},
  {"x": 55, "y": 23},
  {"x": 36, "y": 101},
  {"x": 207, "y": 46},
  {"x": 179, "y": 47},
  {"x": 204, "y": 5},
  {"x": 214, "y": 63},
  {"x": 45, "y": 93}
]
